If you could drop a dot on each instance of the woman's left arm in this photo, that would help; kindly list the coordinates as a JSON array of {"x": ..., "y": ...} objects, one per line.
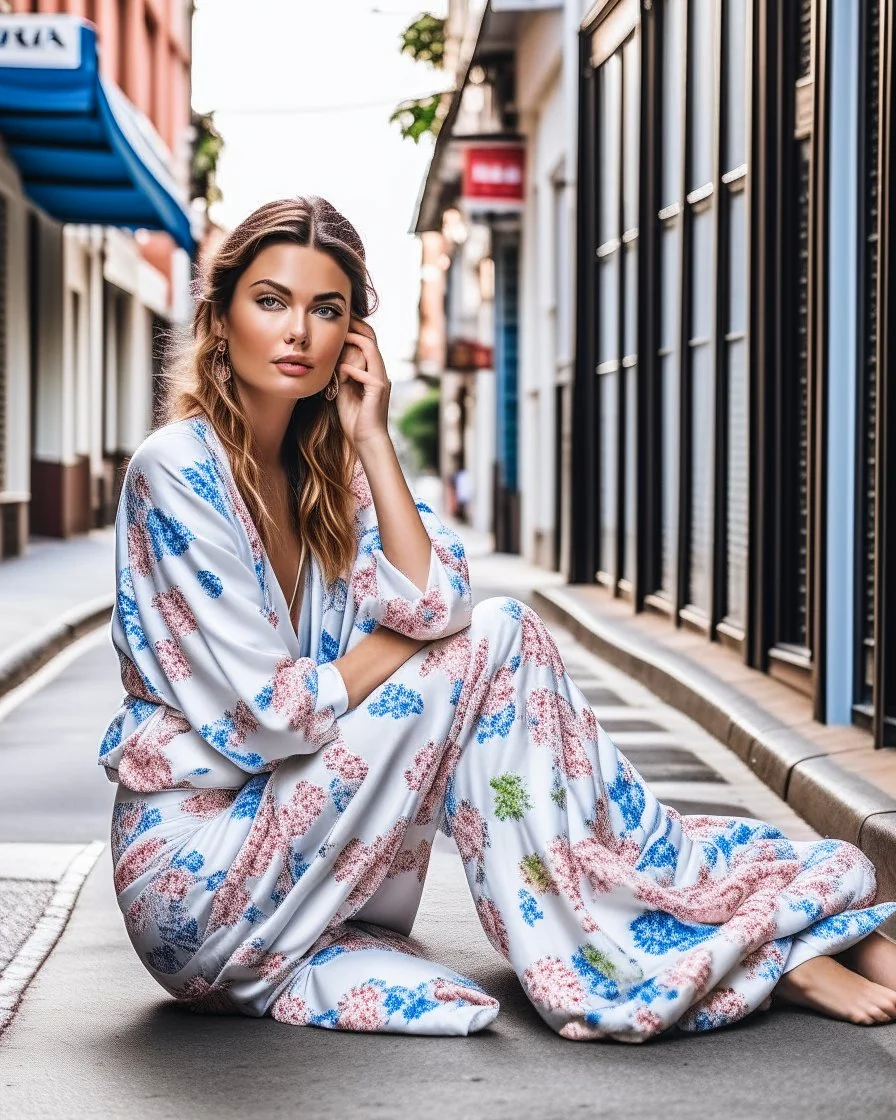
[
  {"x": 404, "y": 539},
  {"x": 363, "y": 405},
  {"x": 411, "y": 573}
]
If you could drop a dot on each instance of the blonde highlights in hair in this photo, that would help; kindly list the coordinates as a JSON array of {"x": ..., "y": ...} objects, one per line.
[{"x": 316, "y": 454}]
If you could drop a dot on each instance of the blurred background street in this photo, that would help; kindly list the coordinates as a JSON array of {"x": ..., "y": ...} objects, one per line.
[{"x": 636, "y": 262}]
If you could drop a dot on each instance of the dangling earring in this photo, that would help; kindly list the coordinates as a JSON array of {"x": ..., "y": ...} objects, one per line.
[
  {"x": 220, "y": 365},
  {"x": 332, "y": 389}
]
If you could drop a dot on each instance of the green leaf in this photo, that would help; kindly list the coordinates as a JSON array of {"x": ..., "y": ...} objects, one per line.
[
  {"x": 535, "y": 873},
  {"x": 424, "y": 39},
  {"x": 600, "y": 961},
  {"x": 511, "y": 799}
]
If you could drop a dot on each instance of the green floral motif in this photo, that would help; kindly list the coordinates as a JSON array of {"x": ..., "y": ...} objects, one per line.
[
  {"x": 511, "y": 800},
  {"x": 558, "y": 795},
  {"x": 535, "y": 874},
  {"x": 600, "y": 961}
]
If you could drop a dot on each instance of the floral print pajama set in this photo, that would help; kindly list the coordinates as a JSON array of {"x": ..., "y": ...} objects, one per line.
[{"x": 270, "y": 846}]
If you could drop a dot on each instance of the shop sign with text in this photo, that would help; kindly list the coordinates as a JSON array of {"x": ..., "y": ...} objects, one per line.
[
  {"x": 40, "y": 42},
  {"x": 493, "y": 176}
]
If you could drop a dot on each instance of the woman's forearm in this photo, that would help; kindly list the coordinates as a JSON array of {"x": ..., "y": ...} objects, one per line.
[
  {"x": 404, "y": 538},
  {"x": 372, "y": 661}
]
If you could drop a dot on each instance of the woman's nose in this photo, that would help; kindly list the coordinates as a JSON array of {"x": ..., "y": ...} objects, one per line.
[{"x": 298, "y": 330}]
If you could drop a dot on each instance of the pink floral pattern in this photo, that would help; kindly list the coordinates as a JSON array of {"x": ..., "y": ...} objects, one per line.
[
  {"x": 553, "y": 984},
  {"x": 171, "y": 658},
  {"x": 448, "y": 992},
  {"x": 365, "y": 866},
  {"x": 553, "y": 723},
  {"x": 290, "y": 1009},
  {"x": 136, "y": 860},
  {"x": 493, "y": 925},
  {"x": 361, "y": 1009},
  {"x": 424, "y": 619},
  {"x": 450, "y": 656},
  {"x": 294, "y": 698},
  {"x": 208, "y": 803},
  {"x": 411, "y": 859},
  {"x": 274, "y": 828},
  {"x": 176, "y": 611},
  {"x": 144, "y": 765},
  {"x": 349, "y": 766},
  {"x": 470, "y": 833}
]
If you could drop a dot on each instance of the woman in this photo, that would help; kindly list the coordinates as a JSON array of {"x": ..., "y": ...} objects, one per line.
[{"x": 309, "y": 696}]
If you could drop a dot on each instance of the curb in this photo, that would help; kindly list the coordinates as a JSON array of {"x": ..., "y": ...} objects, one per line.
[
  {"x": 27, "y": 656},
  {"x": 835, "y": 802},
  {"x": 22, "y": 969}
]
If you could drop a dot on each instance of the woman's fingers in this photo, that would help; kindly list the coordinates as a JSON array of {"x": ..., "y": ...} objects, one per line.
[
  {"x": 353, "y": 354},
  {"x": 370, "y": 350},
  {"x": 358, "y": 374}
]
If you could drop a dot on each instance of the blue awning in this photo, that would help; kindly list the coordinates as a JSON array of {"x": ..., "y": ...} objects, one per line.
[{"x": 85, "y": 153}]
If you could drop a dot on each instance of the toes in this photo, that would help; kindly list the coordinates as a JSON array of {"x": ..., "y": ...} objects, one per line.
[{"x": 872, "y": 1014}]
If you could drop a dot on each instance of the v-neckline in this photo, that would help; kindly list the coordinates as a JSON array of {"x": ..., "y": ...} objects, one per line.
[{"x": 272, "y": 575}]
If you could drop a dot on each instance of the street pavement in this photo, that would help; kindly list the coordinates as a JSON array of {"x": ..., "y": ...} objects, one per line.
[{"x": 95, "y": 1036}]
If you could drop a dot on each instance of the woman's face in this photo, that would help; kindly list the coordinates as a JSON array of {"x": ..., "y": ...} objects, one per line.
[{"x": 287, "y": 321}]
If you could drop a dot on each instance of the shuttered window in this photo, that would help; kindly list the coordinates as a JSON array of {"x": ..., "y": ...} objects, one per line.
[
  {"x": 734, "y": 352},
  {"x": 670, "y": 218},
  {"x": 618, "y": 127},
  {"x": 790, "y": 648},
  {"x": 702, "y": 60},
  {"x": 798, "y": 525},
  {"x": 866, "y": 502},
  {"x": 631, "y": 134},
  {"x": 609, "y": 304}
]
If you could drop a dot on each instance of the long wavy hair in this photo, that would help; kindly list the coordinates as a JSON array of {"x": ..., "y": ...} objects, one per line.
[{"x": 315, "y": 452}]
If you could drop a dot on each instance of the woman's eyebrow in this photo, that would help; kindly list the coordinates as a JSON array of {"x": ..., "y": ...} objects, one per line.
[{"x": 282, "y": 288}]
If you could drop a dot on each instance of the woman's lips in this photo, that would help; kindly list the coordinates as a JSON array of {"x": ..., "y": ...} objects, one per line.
[{"x": 294, "y": 368}]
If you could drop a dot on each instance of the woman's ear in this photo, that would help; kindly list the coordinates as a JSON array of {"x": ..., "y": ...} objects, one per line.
[{"x": 219, "y": 327}]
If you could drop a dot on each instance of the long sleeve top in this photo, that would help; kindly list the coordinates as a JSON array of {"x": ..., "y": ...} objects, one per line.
[{"x": 218, "y": 684}]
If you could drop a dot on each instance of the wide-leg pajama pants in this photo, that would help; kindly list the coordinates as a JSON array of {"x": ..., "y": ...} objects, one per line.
[{"x": 292, "y": 896}]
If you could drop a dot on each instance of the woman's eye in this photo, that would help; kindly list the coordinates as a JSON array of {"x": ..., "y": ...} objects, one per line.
[
  {"x": 269, "y": 302},
  {"x": 334, "y": 311}
]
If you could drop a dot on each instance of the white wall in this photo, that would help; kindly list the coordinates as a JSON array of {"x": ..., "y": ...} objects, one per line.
[
  {"x": 51, "y": 440},
  {"x": 17, "y": 465},
  {"x": 470, "y": 316},
  {"x": 141, "y": 291},
  {"x": 480, "y": 448},
  {"x": 543, "y": 343}
]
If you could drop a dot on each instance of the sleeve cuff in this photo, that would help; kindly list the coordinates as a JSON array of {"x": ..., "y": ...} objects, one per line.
[
  {"x": 394, "y": 584},
  {"x": 331, "y": 690}
]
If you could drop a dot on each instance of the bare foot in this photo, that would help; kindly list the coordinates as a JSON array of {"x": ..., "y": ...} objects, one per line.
[
  {"x": 874, "y": 957},
  {"x": 825, "y": 985}
]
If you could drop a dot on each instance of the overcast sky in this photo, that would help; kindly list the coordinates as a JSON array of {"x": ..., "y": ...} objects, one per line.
[{"x": 302, "y": 92}]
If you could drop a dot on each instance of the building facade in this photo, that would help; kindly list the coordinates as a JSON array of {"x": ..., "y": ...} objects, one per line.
[
  {"x": 733, "y": 374},
  {"x": 709, "y": 209},
  {"x": 95, "y": 145}
]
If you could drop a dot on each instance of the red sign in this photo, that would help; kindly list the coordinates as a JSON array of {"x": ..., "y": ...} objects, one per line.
[
  {"x": 493, "y": 174},
  {"x": 467, "y": 354}
]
